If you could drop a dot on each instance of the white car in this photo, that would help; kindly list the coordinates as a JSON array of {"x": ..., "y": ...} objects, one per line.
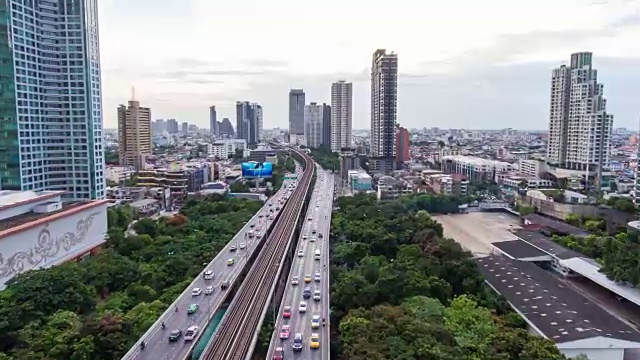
[
  {"x": 196, "y": 292},
  {"x": 312, "y": 239},
  {"x": 208, "y": 275},
  {"x": 316, "y": 277},
  {"x": 191, "y": 333},
  {"x": 301, "y": 253},
  {"x": 243, "y": 246},
  {"x": 303, "y": 307},
  {"x": 208, "y": 290},
  {"x": 295, "y": 280},
  {"x": 316, "y": 295}
]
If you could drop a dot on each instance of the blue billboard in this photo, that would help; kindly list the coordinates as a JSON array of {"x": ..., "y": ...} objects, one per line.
[{"x": 255, "y": 169}]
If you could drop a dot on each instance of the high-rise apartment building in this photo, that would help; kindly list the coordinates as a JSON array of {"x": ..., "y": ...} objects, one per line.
[
  {"x": 579, "y": 126},
  {"x": 326, "y": 125},
  {"x": 158, "y": 127},
  {"x": 313, "y": 125},
  {"x": 249, "y": 122},
  {"x": 134, "y": 134},
  {"x": 402, "y": 144},
  {"x": 384, "y": 97},
  {"x": 341, "y": 115},
  {"x": 213, "y": 122},
  {"x": 226, "y": 129},
  {"x": 172, "y": 126},
  {"x": 296, "y": 111},
  {"x": 51, "y": 102},
  {"x": 185, "y": 128}
]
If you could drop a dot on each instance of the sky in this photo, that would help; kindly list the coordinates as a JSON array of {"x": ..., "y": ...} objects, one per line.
[{"x": 462, "y": 63}]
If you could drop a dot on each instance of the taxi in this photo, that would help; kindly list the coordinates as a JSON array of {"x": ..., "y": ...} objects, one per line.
[
  {"x": 314, "y": 342},
  {"x": 307, "y": 278},
  {"x": 230, "y": 262}
]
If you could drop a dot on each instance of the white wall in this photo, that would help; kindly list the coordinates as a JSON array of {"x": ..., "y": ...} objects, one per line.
[
  {"x": 52, "y": 243},
  {"x": 596, "y": 354}
]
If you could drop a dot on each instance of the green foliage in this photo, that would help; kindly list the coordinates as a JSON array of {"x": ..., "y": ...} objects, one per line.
[
  {"x": 400, "y": 290},
  {"x": 327, "y": 159},
  {"x": 111, "y": 157},
  {"x": 96, "y": 309},
  {"x": 624, "y": 204},
  {"x": 239, "y": 187}
]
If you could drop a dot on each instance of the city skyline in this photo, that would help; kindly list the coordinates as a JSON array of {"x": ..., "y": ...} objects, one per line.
[{"x": 508, "y": 58}]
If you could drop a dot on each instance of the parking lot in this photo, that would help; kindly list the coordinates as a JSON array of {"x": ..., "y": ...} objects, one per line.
[{"x": 476, "y": 231}]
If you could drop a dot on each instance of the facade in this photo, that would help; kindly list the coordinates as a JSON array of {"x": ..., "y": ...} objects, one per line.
[
  {"x": 134, "y": 134},
  {"x": 359, "y": 181},
  {"x": 474, "y": 168},
  {"x": 341, "y": 115},
  {"x": 326, "y": 124},
  {"x": 184, "y": 128},
  {"x": 249, "y": 122},
  {"x": 158, "y": 127},
  {"x": 384, "y": 97},
  {"x": 118, "y": 174},
  {"x": 391, "y": 188},
  {"x": 225, "y": 148},
  {"x": 532, "y": 167},
  {"x": 213, "y": 122},
  {"x": 402, "y": 144},
  {"x": 313, "y": 125},
  {"x": 349, "y": 160},
  {"x": 447, "y": 184},
  {"x": 172, "y": 126},
  {"x": 51, "y": 108},
  {"x": 579, "y": 126},
  {"x": 226, "y": 129},
  {"x": 38, "y": 230},
  {"x": 296, "y": 111}
]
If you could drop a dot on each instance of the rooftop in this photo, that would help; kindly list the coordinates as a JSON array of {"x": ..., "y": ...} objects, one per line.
[
  {"x": 30, "y": 216},
  {"x": 546, "y": 244},
  {"x": 519, "y": 249},
  {"x": 555, "y": 225},
  {"x": 558, "y": 312},
  {"x": 11, "y": 198}
]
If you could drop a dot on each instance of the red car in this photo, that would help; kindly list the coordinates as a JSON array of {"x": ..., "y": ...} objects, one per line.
[
  {"x": 284, "y": 333},
  {"x": 278, "y": 354},
  {"x": 286, "y": 313}
]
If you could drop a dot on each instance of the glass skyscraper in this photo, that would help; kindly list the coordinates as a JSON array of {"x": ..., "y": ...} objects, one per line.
[{"x": 50, "y": 97}]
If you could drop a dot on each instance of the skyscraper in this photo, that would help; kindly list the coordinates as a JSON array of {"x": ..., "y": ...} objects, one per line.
[
  {"x": 326, "y": 125},
  {"x": 313, "y": 125},
  {"x": 172, "y": 126},
  {"x": 134, "y": 134},
  {"x": 341, "y": 115},
  {"x": 384, "y": 96},
  {"x": 579, "y": 125},
  {"x": 185, "y": 128},
  {"x": 402, "y": 144},
  {"x": 296, "y": 111},
  {"x": 213, "y": 122},
  {"x": 158, "y": 127},
  {"x": 50, "y": 112},
  {"x": 249, "y": 122}
]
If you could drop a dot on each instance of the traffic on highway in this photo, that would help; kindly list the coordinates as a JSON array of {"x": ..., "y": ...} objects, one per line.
[
  {"x": 178, "y": 329},
  {"x": 302, "y": 327}
]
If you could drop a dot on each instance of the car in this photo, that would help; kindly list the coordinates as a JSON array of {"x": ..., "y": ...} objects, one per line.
[
  {"x": 295, "y": 280},
  {"x": 314, "y": 342},
  {"x": 316, "y": 277},
  {"x": 224, "y": 285},
  {"x": 300, "y": 253},
  {"x": 307, "y": 278},
  {"x": 286, "y": 312},
  {"x": 208, "y": 290},
  {"x": 191, "y": 333},
  {"x": 233, "y": 248},
  {"x": 208, "y": 275},
  {"x": 298, "y": 340},
  {"x": 314, "y": 231},
  {"x": 304, "y": 237},
  {"x": 243, "y": 246},
  {"x": 306, "y": 293},
  {"x": 303, "y": 307},
  {"x": 196, "y": 292},
  {"x": 310, "y": 218},
  {"x": 261, "y": 216},
  {"x": 285, "y": 331},
  {"x": 230, "y": 262},
  {"x": 252, "y": 225},
  {"x": 316, "y": 295},
  {"x": 313, "y": 239},
  {"x": 193, "y": 308},
  {"x": 257, "y": 232},
  {"x": 315, "y": 322},
  {"x": 175, "y": 335},
  {"x": 320, "y": 236},
  {"x": 278, "y": 354},
  {"x": 250, "y": 234}
]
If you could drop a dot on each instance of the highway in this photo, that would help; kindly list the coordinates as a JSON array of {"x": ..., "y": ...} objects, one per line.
[
  {"x": 237, "y": 334},
  {"x": 157, "y": 344},
  {"x": 319, "y": 212}
]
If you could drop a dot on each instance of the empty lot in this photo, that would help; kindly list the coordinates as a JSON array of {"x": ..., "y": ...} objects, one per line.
[{"x": 476, "y": 231}]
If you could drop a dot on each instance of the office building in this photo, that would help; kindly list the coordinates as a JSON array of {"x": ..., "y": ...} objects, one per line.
[
  {"x": 296, "y": 111},
  {"x": 158, "y": 127},
  {"x": 51, "y": 110},
  {"x": 172, "y": 126},
  {"x": 402, "y": 144},
  {"x": 579, "y": 126},
  {"x": 134, "y": 134},
  {"x": 213, "y": 122},
  {"x": 226, "y": 129},
  {"x": 249, "y": 122},
  {"x": 326, "y": 125},
  {"x": 313, "y": 125},
  {"x": 384, "y": 96},
  {"x": 226, "y": 148},
  {"x": 341, "y": 115}
]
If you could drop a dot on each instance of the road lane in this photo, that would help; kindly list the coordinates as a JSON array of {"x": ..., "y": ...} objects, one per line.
[
  {"x": 307, "y": 265},
  {"x": 157, "y": 345}
]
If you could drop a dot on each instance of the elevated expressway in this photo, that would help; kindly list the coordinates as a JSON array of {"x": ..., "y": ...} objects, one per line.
[{"x": 237, "y": 334}]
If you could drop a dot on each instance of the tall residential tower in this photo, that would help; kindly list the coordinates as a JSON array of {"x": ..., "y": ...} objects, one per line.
[
  {"x": 313, "y": 125},
  {"x": 51, "y": 101},
  {"x": 296, "y": 111},
  {"x": 384, "y": 98},
  {"x": 249, "y": 122},
  {"x": 134, "y": 134},
  {"x": 579, "y": 125},
  {"x": 214, "y": 128},
  {"x": 341, "y": 115}
]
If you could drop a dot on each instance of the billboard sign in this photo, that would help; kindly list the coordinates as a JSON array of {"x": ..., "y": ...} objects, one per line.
[{"x": 253, "y": 169}]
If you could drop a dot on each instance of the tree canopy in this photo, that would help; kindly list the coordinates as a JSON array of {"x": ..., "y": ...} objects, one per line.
[
  {"x": 401, "y": 290},
  {"x": 326, "y": 158},
  {"x": 96, "y": 309}
]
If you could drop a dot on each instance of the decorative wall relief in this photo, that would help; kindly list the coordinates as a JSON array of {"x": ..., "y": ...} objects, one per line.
[{"x": 47, "y": 247}]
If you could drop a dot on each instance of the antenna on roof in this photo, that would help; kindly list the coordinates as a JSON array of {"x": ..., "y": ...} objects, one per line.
[{"x": 133, "y": 93}]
